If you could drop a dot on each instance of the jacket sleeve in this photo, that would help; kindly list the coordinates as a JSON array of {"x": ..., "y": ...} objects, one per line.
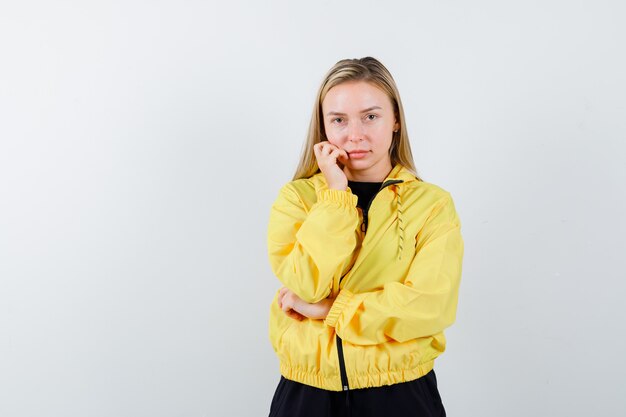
[
  {"x": 308, "y": 249},
  {"x": 423, "y": 304}
]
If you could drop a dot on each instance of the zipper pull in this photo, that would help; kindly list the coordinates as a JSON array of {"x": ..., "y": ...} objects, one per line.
[
  {"x": 363, "y": 226},
  {"x": 364, "y": 223}
]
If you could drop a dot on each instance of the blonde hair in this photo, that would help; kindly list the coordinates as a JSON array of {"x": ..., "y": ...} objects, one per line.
[{"x": 364, "y": 69}]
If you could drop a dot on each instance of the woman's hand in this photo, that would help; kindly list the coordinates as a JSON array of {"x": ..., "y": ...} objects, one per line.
[
  {"x": 297, "y": 309},
  {"x": 328, "y": 158}
]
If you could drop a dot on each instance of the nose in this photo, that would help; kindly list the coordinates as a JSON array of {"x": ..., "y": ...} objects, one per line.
[{"x": 355, "y": 131}]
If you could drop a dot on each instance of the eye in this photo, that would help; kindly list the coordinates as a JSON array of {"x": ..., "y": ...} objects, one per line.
[
  {"x": 371, "y": 116},
  {"x": 337, "y": 120}
]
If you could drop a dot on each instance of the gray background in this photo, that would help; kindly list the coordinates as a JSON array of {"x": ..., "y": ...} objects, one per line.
[{"x": 143, "y": 142}]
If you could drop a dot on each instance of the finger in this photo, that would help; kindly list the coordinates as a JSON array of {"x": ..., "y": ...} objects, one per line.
[
  {"x": 286, "y": 304},
  {"x": 336, "y": 153},
  {"x": 295, "y": 315},
  {"x": 328, "y": 148},
  {"x": 282, "y": 292},
  {"x": 279, "y": 297},
  {"x": 319, "y": 146},
  {"x": 282, "y": 301}
]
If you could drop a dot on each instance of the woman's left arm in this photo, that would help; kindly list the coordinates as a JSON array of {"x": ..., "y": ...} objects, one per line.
[
  {"x": 423, "y": 304},
  {"x": 298, "y": 309}
]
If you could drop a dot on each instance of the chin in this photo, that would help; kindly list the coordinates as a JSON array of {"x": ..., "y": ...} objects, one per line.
[
  {"x": 359, "y": 166},
  {"x": 363, "y": 162}
]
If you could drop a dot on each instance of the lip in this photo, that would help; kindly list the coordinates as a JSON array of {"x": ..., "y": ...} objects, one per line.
[{"x": 357, "y": 154}]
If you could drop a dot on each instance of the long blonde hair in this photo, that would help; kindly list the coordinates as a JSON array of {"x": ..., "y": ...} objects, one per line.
[{"x": 364, "y": 69}]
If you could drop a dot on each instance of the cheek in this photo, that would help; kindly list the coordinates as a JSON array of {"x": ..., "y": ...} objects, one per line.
[
  {"x": 334, "y": 134},
  {"x": 333, "y": 137},
  {"x": 328, "y": 133},
  {"x": 383, "y": 134}
]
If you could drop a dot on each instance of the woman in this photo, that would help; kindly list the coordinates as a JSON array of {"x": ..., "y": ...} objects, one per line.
[{"x": 370, "y": 257}]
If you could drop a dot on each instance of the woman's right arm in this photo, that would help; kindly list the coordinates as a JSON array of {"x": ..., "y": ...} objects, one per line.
[{"x": 308, "y": 249}]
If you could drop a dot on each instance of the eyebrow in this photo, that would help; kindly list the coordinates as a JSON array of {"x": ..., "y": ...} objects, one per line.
[{"x": 336, "y": 113}]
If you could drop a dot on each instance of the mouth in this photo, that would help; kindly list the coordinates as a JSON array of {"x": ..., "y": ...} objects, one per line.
[{"x": 358, "y": 154}]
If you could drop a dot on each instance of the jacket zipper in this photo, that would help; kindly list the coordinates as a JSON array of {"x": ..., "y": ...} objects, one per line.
[
  {"x": 342, "y": 363},
  {"x": 365, "y": 213}
]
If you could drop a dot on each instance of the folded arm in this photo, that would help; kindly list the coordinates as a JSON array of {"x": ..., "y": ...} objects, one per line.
[
  {"x": 307, "y": 249},
  {"x": 423, "y": 304}
]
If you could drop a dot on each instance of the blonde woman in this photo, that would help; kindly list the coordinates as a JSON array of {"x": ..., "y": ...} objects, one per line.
[{"x": 369, "y": 256}]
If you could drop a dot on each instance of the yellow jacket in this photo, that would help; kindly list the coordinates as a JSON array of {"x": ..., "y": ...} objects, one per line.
[{"x": 395, "y": 275}]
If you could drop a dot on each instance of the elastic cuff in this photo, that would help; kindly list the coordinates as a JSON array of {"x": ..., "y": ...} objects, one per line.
[
  {"x": 339, "y": 196},
  {"x": 339, "y": 304}
]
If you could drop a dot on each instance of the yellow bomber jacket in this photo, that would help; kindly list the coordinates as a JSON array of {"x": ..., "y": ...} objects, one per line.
[{"x": 394, "y": 275}]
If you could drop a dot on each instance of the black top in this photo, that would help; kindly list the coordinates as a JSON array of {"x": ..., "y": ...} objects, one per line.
[{"x": 365, "y": 191}]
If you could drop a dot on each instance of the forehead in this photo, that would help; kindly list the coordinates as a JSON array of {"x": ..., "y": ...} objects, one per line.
[{"x": 355, "y": 95}]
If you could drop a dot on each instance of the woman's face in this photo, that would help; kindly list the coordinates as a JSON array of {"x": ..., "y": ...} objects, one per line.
[{"x": 359, "y": 118}]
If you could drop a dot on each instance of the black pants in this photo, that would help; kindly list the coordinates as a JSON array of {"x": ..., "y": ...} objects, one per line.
[{"x": 417, "y": 398}]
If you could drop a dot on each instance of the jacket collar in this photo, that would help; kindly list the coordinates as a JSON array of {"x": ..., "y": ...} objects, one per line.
[
  {"x": 397, "y": 173},
  {"x": 397, "y": 176}
]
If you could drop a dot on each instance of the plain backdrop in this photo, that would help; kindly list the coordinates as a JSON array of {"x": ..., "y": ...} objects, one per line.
[{"x": 142, "y": 144}]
